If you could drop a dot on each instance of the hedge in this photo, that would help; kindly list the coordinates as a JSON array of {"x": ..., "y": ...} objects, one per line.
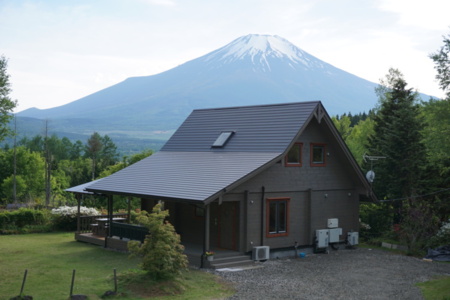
[{"x": 23, "y": 217}]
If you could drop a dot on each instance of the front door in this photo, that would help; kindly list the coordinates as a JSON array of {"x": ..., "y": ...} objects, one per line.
[{"x": 224, "y": 225}]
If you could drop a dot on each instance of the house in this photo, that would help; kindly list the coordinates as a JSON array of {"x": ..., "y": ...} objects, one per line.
[{"x": 235, "y": 178}]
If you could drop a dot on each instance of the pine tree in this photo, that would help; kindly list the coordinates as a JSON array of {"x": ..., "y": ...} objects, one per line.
[
  {"x": 6, "y": 104},
  {"x": 397, "y": 136}
]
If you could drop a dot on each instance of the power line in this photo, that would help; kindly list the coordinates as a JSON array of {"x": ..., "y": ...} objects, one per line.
[{"x": 418, "y": 196}]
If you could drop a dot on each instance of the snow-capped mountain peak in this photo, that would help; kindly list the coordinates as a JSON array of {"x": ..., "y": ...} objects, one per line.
[{"x": 259, "y": 48}]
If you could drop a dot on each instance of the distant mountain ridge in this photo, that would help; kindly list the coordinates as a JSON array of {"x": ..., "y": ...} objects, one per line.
[{"x": 251, "y": 70}]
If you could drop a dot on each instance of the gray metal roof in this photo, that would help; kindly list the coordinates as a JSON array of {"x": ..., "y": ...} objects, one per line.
[
  {"x": 262, "y": 128},
  {"x": 81, "y": 189},
  {"x": 188, "y": 168},
  {"x": 194, "y": 176}
]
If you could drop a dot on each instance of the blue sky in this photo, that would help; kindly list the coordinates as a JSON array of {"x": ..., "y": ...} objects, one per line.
[{"x": 62, "y": 50}]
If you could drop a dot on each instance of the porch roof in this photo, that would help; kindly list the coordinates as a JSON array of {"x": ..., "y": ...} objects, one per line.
[
  {"x": 81, "y": 189},
  {"x": 191, "y": 176}
]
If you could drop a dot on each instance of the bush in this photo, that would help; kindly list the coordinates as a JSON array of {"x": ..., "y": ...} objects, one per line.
[
  {"x": 65, "y": 217},
  {"x": 418, "y": 225},
  {"x": 442, "y": 237},
  {"x": 376, "y": 220},
  {"x": 161, "y": 251},
  {"x": 23, "y": 217},
  {"x": 24, "y": 220}
]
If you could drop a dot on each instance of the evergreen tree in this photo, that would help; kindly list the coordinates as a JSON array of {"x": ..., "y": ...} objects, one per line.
[
  {"x": 397, "y": 136},
  {"x": 6, "y": 104},
  {"x": 442, "y": 65},
  {"x": 93, "y": 148}
]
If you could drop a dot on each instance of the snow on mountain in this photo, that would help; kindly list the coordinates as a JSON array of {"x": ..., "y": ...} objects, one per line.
[
  {"x": 251, "y": 70},
  {"x": 260, "y": 48}
]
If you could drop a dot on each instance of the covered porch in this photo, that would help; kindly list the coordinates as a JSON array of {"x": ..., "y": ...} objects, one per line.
[{"x": 202, "y": 228}]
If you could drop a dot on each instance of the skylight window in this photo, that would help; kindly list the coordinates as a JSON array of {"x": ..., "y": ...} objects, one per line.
[{"x": 222, "y": 139}]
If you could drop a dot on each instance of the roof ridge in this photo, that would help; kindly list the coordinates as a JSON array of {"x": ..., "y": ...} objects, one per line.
[{"x": 259, "y": 105}]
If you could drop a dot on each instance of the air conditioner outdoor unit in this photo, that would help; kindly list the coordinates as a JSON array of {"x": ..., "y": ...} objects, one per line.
[
  {"x": 352, "y": 238},
  {"x": 322, "y": 238},
  {"x": 261, "y": 253}
]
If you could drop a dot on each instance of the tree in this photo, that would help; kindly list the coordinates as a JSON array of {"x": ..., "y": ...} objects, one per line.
[
  {"x": 102, "y": 151},
  {"x": 6, "y": 104},
  {"x": 30, "y": 168},
  {"x": 93, "y": 148},
  {"x": 108, "y": 154},
  {"x": 442, "y": 65},
  {"x": 162, "y": 254},
  {"x": 125, "y": 163},
  {"x": 397, "y": 136}
]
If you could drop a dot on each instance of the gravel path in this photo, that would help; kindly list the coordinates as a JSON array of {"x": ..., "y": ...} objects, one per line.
[{"x": 345, "y": 274}]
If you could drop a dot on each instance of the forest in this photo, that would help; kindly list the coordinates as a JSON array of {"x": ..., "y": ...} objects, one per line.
[{"x": 409, "y": 138}]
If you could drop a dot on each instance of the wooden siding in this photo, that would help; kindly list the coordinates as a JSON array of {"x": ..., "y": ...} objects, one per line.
[{"x": 316, "y": 193}]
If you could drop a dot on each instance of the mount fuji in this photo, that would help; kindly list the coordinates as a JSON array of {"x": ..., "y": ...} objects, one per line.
[{"x": 253, "y": 69}]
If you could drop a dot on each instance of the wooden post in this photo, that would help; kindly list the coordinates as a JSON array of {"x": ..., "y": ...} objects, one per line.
[
  {"x": 78, "y": 196},
  {"x": 129, "y": 210},
  {"x": 206, "y": 233},
  {"x": 110, "y": 213}
]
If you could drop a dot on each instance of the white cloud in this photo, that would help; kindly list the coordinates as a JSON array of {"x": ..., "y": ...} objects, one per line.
[
  {"x": 159, "y": 2},
  {"x": 431, "y": 14}
]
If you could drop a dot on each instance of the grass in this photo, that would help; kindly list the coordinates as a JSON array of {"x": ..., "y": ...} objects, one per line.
[
  {"x": 437, "y": 289},
  {"x": 51, "y": 257}
]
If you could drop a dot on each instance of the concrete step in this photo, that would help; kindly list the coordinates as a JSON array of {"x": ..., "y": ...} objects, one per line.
[{"x": 231, "y": 262}]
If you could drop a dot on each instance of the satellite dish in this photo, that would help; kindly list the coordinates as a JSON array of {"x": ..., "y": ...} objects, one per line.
[{"x": 370, "y": 176}]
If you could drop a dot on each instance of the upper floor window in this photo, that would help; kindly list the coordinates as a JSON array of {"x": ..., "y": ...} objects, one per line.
[
  {"x": 318, "y": 157},
  {"x": 277, "y": 217},
  {"x": 294, "y": 156}
]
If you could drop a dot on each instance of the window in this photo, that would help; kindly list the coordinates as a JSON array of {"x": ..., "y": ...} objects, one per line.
[
  {"x": 294, "y": 156},
  {"x": 318, "y": 157},
  {"x": 199, "y": 212},
  {"x": 222, "y": 139},
  {"x": 277, "y": 217}
]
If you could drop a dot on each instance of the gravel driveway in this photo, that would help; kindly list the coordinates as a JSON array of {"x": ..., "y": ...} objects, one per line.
[{"x": 345, "y": 274}]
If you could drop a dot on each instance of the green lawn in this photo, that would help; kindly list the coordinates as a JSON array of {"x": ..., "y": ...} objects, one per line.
[
  {"x": 438, "y": 289},
  {"x": 51, "y": 257}
]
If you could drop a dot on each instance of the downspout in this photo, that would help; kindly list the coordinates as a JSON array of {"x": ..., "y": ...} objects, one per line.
[{"x": 263, "y": 195}]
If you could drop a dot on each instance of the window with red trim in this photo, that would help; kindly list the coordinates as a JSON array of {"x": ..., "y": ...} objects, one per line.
[
  {"x": 277, "y": 217},
  {"x": 294, "y": 156},
  {"x": 317, "y": 153}
]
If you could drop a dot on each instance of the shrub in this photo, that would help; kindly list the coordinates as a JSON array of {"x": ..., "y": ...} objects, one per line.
[
  {"x": 65, "y": 217},
  {"x": 442, "y": 237},
  {"x": 375, "y": 220},
  {"x": 162, "y": 254},
  {"x": 23, "y": 217},
  {"x": 24, "y": 220},
  {"x": 418, "y": 225}
]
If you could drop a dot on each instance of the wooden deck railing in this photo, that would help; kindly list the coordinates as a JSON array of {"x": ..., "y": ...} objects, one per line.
[
  {"x": 86, "y": 221},
  {"x": 129, "y": 231}
]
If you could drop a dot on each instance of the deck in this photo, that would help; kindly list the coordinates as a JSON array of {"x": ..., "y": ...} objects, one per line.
[
  {"x": 95, "y": 230},
  {"x": 193, "y": 251}
]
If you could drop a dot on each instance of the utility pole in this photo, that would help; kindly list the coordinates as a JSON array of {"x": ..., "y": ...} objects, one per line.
[
  {"x": 15, "y": 163},
  {"x": 48, "y": 167}
]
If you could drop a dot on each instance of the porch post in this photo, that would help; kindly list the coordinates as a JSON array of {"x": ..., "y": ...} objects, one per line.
[
  {"x": 110, "y": 213},
  {"x": 129, "y": 210},
  {"x": 206, "y": 236},
  {"x": 78, "y": 197}
]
